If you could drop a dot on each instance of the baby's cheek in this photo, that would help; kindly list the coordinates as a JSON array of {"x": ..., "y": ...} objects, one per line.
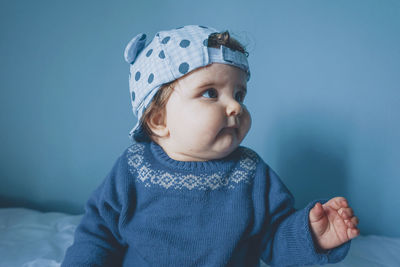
[
  {"x": 246, "y": 122},
  {"x": 209, "y": 118}
]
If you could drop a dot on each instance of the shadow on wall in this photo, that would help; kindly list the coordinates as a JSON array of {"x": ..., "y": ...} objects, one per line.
[{"x": 312, "y": 155}]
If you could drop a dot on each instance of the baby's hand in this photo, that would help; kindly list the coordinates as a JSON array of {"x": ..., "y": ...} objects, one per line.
[{"x": 333, "y": 223}]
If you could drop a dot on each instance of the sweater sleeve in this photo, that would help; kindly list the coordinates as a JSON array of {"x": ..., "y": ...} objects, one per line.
[
  {"x": 97, "y": 240},
  {"x": 288, "y": 240}
]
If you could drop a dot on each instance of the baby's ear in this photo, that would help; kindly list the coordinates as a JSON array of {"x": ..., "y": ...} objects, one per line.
[{"x": 157, "y": 124}]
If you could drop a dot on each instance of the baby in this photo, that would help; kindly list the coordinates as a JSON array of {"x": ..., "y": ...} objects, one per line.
[{"x": 185, "y": 193}]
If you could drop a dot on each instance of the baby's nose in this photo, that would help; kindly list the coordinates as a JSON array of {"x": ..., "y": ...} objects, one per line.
[{"x": 234, "y": 108}]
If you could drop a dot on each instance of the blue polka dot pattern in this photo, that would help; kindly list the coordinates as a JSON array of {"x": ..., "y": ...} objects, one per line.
[
  {"x": 183, "y": 68},
  {"x": 133, "y": 96},
  {"x": 184, "y": 43},
  {"x": 151, "y": 78},
  {"x": 149, "y": 52},
  {"x": 137, "y": 76},
  {"x": 161, "y": 55},
  {"x": 165, "y": 40}
]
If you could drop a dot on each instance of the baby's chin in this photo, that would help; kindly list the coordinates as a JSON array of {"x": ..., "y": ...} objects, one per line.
[
  {"x": 223, "y": 150},
  {"x": 227, "y": 143},
  {"x": 215, "y": 152},
  {"x": 217, "y": 149}
]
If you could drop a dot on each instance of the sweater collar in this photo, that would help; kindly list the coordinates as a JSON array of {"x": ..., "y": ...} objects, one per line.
[{"x": 203, "y": 166}]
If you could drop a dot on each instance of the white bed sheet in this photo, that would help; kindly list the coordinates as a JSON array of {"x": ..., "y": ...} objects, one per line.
[{"x": 29, "y": 238}]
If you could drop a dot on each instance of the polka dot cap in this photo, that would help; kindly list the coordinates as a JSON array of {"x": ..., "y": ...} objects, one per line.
[{"x": 170, "y": 55}]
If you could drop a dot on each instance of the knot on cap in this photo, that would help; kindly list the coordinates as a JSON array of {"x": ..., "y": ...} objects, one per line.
[{"x": 134, "y": 47}]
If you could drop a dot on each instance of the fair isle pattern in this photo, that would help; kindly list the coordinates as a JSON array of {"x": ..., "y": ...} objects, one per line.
[{"x": 151, "y": 177}]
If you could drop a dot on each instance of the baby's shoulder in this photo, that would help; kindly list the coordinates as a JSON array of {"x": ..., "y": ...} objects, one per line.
[
  {"x": 134, "y": 155},
  {"x": 249, "y": 158},
  {"x": 248, "y": 153},
  {"x": 135, "y": 149}
]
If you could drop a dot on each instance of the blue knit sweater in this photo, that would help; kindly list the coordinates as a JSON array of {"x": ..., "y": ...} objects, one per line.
[{"x": 154, "y": 211}]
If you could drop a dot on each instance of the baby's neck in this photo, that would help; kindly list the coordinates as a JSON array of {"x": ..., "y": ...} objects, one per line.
[
  {"x": 180, "y": 156},
  {"x": 186, "y": 155}
]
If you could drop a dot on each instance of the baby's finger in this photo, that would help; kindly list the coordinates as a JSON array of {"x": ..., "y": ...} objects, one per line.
[
  {"x": 352, "y": 232},
  {"x": 337, "y": 203},
  {"x": 316, "y": 213},
  {"x": 355, "y": 220},
  {"x": 346, "y": 213},
  {"x": 352, "y": 223}
]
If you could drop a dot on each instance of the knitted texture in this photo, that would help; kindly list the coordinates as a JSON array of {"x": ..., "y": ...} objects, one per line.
[{"x": 154, "y": 211}]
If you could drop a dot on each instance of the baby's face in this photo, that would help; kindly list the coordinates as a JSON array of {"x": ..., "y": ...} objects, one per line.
[{"x": 205, "y": 115}]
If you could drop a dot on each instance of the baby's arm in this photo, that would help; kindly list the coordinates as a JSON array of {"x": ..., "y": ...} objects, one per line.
[
  {"x": 97, "y": 241},
  {"x": 288, "y": 239},
  {"x": 333, "y": 223}
]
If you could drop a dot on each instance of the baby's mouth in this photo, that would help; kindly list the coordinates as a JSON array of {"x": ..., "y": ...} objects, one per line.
[{"x": 231, "y": 129}]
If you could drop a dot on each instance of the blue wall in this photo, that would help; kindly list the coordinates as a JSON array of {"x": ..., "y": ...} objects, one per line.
[{"x": 324, "y": 95}]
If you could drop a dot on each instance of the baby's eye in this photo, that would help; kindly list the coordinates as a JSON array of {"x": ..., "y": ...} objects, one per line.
[
  {"x": 210, "y": 93},
  {"x": 239, "y": 96}
]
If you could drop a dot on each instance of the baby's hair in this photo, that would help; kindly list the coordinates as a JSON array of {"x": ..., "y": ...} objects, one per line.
[
  {"x": 224, "y": 38},
  {"x": 157, "y": 105},
  {"x": 160, "y": 99}
]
